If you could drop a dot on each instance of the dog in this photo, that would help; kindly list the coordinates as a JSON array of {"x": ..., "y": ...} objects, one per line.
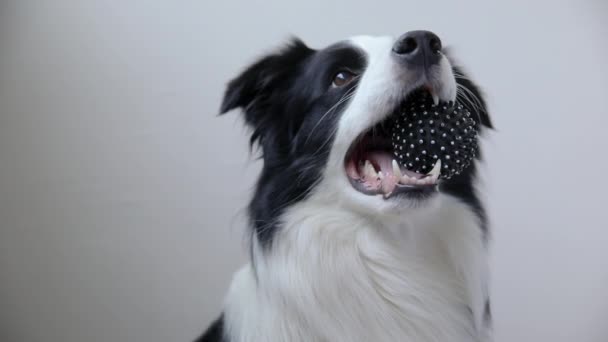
[{"x": 331, "y": 260}]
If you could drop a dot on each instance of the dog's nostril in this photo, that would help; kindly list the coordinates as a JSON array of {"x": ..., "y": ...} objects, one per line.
[
  {"x": 407, "y": 45},
  {"x": 435, "y": 44}
]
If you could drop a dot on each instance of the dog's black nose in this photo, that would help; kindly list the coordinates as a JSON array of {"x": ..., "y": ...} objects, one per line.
[{"x": 418, "y": 47}]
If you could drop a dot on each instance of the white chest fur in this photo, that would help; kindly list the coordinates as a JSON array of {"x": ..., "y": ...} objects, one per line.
[{"x": 332, "y": 275}]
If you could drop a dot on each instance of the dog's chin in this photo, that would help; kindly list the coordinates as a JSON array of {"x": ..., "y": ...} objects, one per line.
[{"x": 422, "y": 201}]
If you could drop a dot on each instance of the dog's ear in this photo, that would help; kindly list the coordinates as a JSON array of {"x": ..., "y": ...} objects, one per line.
[
  {"x": 266, "y": 73},
  {"x": 254, "y": 89},
  {"x": 472, "y": 97}
]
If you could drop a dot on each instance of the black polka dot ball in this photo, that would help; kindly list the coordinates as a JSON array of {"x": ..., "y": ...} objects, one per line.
[{"x": 423, "y": 133}]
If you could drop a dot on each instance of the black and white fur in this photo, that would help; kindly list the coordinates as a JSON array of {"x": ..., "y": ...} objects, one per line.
[{"x": 329, "y": 263}]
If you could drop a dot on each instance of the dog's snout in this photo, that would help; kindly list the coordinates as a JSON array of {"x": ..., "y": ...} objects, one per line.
[{"x": 418, "y": 48}]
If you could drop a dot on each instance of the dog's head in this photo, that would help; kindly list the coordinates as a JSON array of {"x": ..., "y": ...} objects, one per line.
[{"x": 319, "y": 115}]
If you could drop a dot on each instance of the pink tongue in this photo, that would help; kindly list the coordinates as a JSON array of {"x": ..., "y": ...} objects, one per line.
[{"x": 384, "y": 161}]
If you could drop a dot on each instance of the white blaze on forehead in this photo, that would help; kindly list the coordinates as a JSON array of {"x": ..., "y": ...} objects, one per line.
[
  {"x": 377, "y": 91},
  {"x": 373, "y": 45}
]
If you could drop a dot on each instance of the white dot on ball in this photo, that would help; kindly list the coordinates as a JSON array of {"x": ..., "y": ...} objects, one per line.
[
  {"x": 443, "y": 148},
  {"x": 433, "y": 142}
]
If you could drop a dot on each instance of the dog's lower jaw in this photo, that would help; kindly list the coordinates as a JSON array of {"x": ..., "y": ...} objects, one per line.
[{"x": 332, "y": 275}]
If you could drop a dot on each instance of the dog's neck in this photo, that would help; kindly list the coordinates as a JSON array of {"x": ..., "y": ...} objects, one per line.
[{"x": 334, "y": 275}]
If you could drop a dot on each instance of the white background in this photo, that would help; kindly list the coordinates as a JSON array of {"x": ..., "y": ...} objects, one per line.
[{"x": 122, "y": 193}]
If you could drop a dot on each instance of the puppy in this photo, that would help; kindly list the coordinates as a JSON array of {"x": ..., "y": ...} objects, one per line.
[{"x": 335, "y": 256}]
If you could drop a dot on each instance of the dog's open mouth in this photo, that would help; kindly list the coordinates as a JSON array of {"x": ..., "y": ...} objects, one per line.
[{"x": 372, "y": 168}]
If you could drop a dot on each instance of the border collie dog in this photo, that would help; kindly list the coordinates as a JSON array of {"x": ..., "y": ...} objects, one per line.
[{"x": 331, "y": 261}]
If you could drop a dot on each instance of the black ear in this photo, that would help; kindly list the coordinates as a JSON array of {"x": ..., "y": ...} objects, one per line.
[
  {"x": 260, "y": 79},
  {"x": 263, "y": 85},
  {"x": 470, "y": 94}
]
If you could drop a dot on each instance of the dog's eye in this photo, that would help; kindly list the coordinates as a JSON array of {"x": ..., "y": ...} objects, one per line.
[{"x": 342, "y": 78}]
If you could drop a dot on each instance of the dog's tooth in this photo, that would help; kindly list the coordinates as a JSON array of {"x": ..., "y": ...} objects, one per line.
[
  {"x": 435, "y": 98},
  {"x": 436, "y": 171},
  {"x": 369, "y": 171},
  {"x": 380, "y": 175},
  {"x": 396, "y": 169},
  {"x": 405, "y": 179}
]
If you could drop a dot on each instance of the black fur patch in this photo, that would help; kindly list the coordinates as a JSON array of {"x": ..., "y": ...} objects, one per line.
[{"x": 288, "y": 101}]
